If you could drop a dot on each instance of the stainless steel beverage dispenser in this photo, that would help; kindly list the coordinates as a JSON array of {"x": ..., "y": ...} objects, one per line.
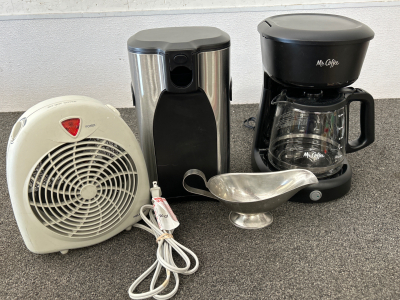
[{"x": 181, "y": 88}]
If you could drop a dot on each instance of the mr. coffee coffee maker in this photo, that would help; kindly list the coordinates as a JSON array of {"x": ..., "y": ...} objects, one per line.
[{"x": 303, "y": 120}]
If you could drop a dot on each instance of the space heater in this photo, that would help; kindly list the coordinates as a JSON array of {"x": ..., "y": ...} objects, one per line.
[{"x": 75, "y": 173}]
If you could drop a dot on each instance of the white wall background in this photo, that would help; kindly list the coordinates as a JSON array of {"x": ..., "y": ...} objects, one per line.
[
  {"x": 49, "y": 56},
  {"x": 24, "y": 7}
]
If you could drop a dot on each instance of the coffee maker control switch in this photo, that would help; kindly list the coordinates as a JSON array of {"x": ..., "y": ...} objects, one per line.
[{"x": 315, "y": 195}]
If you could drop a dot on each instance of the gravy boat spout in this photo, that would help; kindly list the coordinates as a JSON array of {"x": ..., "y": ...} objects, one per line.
[{"x": 250, "y": 196}]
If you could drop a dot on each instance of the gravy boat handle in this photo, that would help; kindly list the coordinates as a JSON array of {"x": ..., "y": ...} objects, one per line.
[{"x": 194, "y": 190}]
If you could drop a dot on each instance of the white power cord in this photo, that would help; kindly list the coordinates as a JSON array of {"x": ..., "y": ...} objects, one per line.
[{"x": 164, "y": 256}]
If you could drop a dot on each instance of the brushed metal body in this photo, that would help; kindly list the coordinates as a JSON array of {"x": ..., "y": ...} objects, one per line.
[
  {"x": 214, "y": 79},
  {"x": 148, "y": 81}
]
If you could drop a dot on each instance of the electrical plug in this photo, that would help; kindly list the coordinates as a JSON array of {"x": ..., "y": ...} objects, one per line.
[{"x": 155, "y": 190}]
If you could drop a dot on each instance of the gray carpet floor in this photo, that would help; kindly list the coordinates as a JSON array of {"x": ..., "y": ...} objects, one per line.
[{"x": 345, "y": 249}]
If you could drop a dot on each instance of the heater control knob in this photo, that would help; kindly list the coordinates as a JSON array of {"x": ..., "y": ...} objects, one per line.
[
  {"x": 315, "y": 195},
  {"x": 16, "y": 129}
]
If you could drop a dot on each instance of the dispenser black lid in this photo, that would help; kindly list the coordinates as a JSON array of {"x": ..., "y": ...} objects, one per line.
[
  {"x": 314, "y": 29},
  {"x": 163, "y": 40}
]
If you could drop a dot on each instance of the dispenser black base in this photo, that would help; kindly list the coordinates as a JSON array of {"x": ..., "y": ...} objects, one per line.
[{"x": 328, "y": 189}]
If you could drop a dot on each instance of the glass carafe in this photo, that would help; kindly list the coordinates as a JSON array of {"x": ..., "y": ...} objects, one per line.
[{"x": 310, "y": 131}]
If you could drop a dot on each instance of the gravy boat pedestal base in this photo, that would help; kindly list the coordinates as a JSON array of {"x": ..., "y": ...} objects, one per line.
[{"x": 250, "y": 221}]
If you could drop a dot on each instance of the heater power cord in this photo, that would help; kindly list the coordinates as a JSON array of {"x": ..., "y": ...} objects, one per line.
[{"x": 166, "y": 243}]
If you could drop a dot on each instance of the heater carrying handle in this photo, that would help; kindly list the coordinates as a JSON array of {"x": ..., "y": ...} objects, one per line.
[
  {"x": 367, "y": 120},
  {"x": 194, "y": 190}
]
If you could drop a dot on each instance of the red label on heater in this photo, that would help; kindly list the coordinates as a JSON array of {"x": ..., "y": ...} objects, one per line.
[{"x": 72, "y": 126}]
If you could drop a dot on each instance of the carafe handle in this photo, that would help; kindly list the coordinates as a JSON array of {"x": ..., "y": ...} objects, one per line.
[
  {"x": 194, "y": 190},
  {"x": 367, "y": 120}
]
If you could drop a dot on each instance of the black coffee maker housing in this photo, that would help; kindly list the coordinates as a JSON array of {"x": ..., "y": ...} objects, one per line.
[
  {"x": 313, "y": 57},
  {"x": 181, "y": 90}
]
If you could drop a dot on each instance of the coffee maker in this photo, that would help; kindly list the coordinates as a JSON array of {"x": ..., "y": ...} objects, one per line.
[
  {"x": 181, "y": 88},
  {"x": 309, "y": 61}
]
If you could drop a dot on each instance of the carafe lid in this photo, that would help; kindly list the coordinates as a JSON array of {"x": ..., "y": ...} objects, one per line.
[
  {"x": 314, "y": 100},
  {"x": 163, "y": 40},
  {"x": 315, "y": 29},
  {"x": 313, "y": 97}
]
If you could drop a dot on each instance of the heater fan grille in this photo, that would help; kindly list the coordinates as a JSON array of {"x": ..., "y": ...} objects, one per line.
[{"x": 83, "y": 189}]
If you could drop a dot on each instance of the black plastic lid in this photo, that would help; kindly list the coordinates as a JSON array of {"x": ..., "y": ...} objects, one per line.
[
  {"x": 163, "y": 40},
  {"x": 315, "y": 29},
  {"x": 315, "y": 101}
]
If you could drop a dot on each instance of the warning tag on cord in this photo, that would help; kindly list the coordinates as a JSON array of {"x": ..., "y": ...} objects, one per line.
[{"x": 166, "y": 218}]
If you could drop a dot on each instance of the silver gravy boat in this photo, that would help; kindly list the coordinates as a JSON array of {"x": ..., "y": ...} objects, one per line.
[{"x": 250, "y": 196}]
